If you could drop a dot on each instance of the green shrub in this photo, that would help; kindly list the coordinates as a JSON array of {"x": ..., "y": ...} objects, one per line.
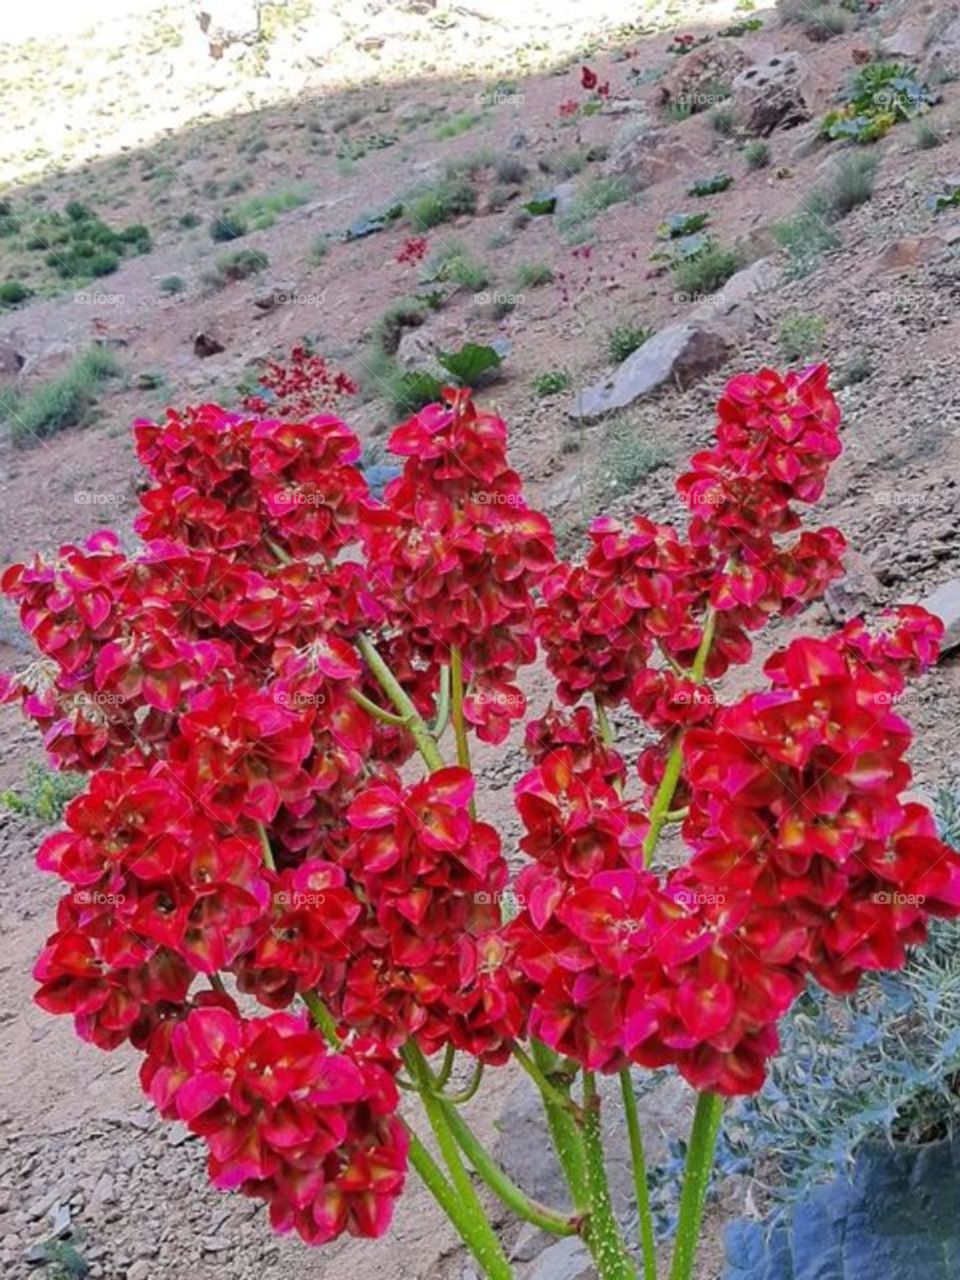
[
  {"x": 260, "y": 212},
  {"x": 623, "y": 339},
  {"x": 172, "y": 284},
  {"x": 805, "y": 236},
  {"x": 227, "y": 226},
  {"x": 707, "y": 270},
  {"x": 242, "y": 264},
  {"x": 456, "y": 125},
  {"x": 530, "y": 275},
  {"x": 404, "y": 313},
  {"x": 800, "y": 336},
  {"x": 189, "y": 220},
  {"x": 592, "y": 199},
  {"x": 926, "y": 137},
  {"x": 45, "y": 794},
  {"x": 319, "y": 248},
  {"x": 849, "y": 184},
  {"x": 722, "y": 120},
  {"x": 63, "y": 402},
  {"x": 441, "y": 202},
  {"x": 510, "y": 170},
  {"x": 757, "y": 154},
  {"x": 13, "y": 292},
  {"x": 552, "y": 382}
]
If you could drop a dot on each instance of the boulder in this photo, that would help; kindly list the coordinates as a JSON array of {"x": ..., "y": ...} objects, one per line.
[
  {"x": 732, "y": 306},
  {"x": 648, "y": 158},
  {"x": 682, "y": 354},
  {"x": 697, "y": 78},
  {"x": 771, "y": 95}
]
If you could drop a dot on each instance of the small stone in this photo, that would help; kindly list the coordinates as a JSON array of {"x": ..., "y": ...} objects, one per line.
[
  {"x": 42, "y": 1205},
  {"x": 139, "y": 1271},
  {"x": 204, "y": 345},
  {"x": 945, "y": 604},
  {"x": 61, "y": 1220},
  {"x": 568, "y": 1259},
  {"x": 104, "y": 1192},
  {"x": 146, "y": 381}
]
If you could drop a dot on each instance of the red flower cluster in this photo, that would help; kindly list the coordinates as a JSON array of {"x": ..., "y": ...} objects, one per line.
[
  {"x": 299, "y": 389},
  {"x": 458, "y": 552},
  {"x": 645, "y": 588},
  {"x": 413, "y": 249},
  {"x": 241, "y": 690},
  {"x": 590, "y": 81},
  {"x": 806, "y": 860},
  {"x": 313, "y": 1133}
]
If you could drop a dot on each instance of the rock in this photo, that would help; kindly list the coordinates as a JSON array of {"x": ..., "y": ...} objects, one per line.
[
  {"x": 61, "y": 1220},
  {"x": 418, "y": 348},
  {"x": 623, "y": 106},
  {"x": 856, "y": 593},
  {"x": 104, "y": 1192},
  {"x": 139, "y": 1271},
  {"x": 413, "y": 112},
  {"x": 649, "y": 157},
  {"x": 518, "y": 141},
  {"x": 945, "y": 604},
  {"x": 693, "y": 82},
  {"x": 568, "y": 1259},
  {"x": 908, "y": 252},
  {"x": 42, "y": 1205},
  {"x": 204, "y": 345},
  {"x": 770, "y": 95},
  {"x": 11, "y": 361},
  {"x": 943, "y": 43},
  {"x": 682, "y": 353},
  {"x": 529, "y": 1243},
  {"x": 565, "y": 193},
  {"x": 909, "y": 37},
  {"x": 146, "y": 381},
  {"x": 274, "y": 294},
  {"x": 731, "y": 304}
]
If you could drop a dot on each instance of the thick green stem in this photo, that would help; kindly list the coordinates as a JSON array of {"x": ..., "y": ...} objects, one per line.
[
  {"x": 647, "y": 1239},
  {"x": 412, "y": 718},
  {"x": 564, "y": 1131},
  {"x": 696, "y": 1178},
  {"x": 456, "y": 703},
  {"x": 379, "y": 713},
  {"x": 603, "y": 1234},
  {"x": 513, "y": 1197},
  {"x": 471, "y": 1221},
  {"x": 465, "y": 1094},
  {"x": 448, "y": 1199},
  {"x": 268, "y": 859}
]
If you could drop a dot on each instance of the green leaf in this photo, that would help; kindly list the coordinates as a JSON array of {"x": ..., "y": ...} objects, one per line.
[
  {"x": 541, "y": 205},
  {"x": 679, "y": 225},
  {"x": 470, "y": 363},
  {"x": 710, "y": 186}
]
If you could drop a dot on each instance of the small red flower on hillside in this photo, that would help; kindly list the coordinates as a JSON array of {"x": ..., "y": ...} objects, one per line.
[{"x": 412, "y": 250}]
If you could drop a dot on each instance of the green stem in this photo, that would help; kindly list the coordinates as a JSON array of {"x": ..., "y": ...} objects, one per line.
[
  {"x": 377, "y": 712},
  {"x": 513, "y": 1197},
  {"x": 472, "y": 1222},
  {"x": 647, "y": 1239},
  {"x": 603, "y": 1234},
  {"x": 268, "y": 859},
  {"x": 443, "y": 1075},
  {"x": 550, "y": 1091},
  {"x": 398, "y": 696},
  {"x": 603, "y": 723},
  {"x": 660, "y": 809},
  {"x": 563, "y": 1130},
  {"x": 443, "y": 704},
  {"x": 465, "y": 1094},
  {"x": 446, "y": 1196},
  {"x": 323, "y": 1018},
  {"x": 696, "y": 1178}
]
